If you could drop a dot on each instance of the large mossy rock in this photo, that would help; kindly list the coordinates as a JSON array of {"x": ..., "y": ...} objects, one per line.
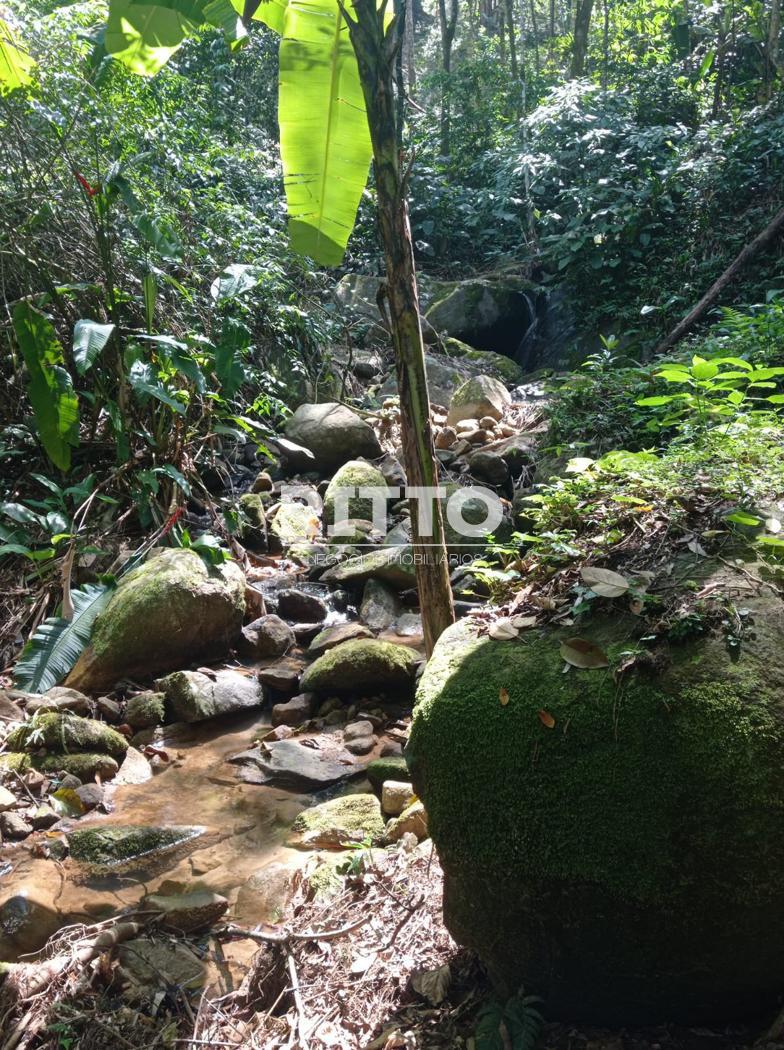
[
  {"x": 626, "y": 863},
  {"x": 361, "y": 664},
  {"x": 489, "y": 314},
  {"x": 65, "y": 733},
  {"x": 332, "y": 433},
  {"x": 170, "y": 611},
  {"x": 352, "y": 476}
]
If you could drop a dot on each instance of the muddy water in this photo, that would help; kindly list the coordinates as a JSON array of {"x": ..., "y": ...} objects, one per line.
[{"x": 244, "y": 828}]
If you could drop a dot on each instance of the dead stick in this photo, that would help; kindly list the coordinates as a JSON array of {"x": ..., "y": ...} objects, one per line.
[
  {"x": 287, "y": 938},
  {"x": 301, "y": 1018}
]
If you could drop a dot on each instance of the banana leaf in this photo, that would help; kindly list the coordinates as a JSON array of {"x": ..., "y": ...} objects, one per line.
[{"x": 15, "y": 63}]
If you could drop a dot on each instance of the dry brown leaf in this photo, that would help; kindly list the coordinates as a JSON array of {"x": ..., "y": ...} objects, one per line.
[
  {"x": 503, "y": 696},
  {"x": 433, "y": 984},
  {"x": 521, "y": 622},
  {"x": 583, "y": 654},
  {"x": 547, "y": 719},
  {"x": 502, "y": 630},
  {"x": 604, "y": 582}
]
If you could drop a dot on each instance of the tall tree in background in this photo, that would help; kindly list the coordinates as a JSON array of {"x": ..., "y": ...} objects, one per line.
[
  {"x": 772, "y": 48},
  {"x": 447, "y": 19},
  {"x": 582, "y": 25},
  {"x": 376, "y": 49}
]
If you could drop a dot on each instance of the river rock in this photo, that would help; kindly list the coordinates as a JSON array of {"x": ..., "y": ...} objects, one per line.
[
  {"x": 282, "y": 676},
  {"x": 253, "y": 520},
  {"x": 10, "y": 711},
  {"x": 145, "y": 709},
  {"x": 412, "y": 821},
  {"x": 105, "y": 846},
  {"x": 267, "y": 893},
  {"x": 295, "y": 711},
  {"x": 396, "y": 796},
  {"x": 85, "y": 766},
  {"x": 333, "y": 824},
  {"x": 65, "y": 733},
  {"x": 477, "y": 397},
  {"x": 390, "y": 767},
  {"x": 164, "y": 614},
  {"x": 392, "y": 565},
  {"x": 135, "y": 768},
  {"x": 290, "y": 765},
  {"x": 380, "y": 605},
  {"x": 299, "y": 605},
  {"x": 7, "y": 799},
  {"x": 60, "y": 698},
  {"x": 362, "y": 664},
  {"x": 13, "y": 826},
  {"x": 581, "y": 862},
  {"x": 490, "y": 313},
  {"x": 488, "y": 466},
  {"x": 294, "y": 523},
  {"x": 332, "y": 433},
  {"x": 192, "y": 696},
  {"x": 332, "y": 636},
  {"x": 144, "y": 964},
  {"x": 352, "y": 476},
  {"x": 185, "y": 912},
  {"x": 267, "y": 636}
]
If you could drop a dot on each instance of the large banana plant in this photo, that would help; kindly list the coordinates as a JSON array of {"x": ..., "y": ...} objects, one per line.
[{"x": 324, "y": 137}]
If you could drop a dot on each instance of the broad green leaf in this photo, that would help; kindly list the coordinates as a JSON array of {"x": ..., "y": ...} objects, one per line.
[
  {"x": 163, "y": 241},
  {"x": 58, "y": 643},
  {"x": 49, "y": 388},
  {"x": 324, "y": 137},
  {"x": 145, "y": 383},
  {"x": 270, "y": 12},
  {"x": 737, "y": 361},
  {"x": 90, "y": 338},
  {"x": 653, "y": 402},
  {"x": 145, "y": 36},
  {"x": 776, "y": 399},
  {"x": 235, "y": 279},
  {"x": 222, "y": 15},
  {"x": 15, "y": 63},
  {"x": 702, "y": 369},
  {"x": 741, "y": 517}
]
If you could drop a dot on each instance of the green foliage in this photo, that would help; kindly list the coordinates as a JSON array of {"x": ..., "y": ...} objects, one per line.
[
  {"x": 15, "y": 63},
  {"x": 54, "y": 648},
  {"x": 517, "y": 1023}
]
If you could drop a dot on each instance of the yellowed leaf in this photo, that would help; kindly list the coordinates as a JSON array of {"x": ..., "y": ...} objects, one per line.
[
  {"x": 547, "y": 719},
  {"x": 583, "y": 654},
  {"x": 503, "y": 696},
  {"x": 604, "y": 582}
]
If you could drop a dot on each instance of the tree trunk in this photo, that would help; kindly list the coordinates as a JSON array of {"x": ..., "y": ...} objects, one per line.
[
  {"x": 448, "y": 23},
  {"x": 376, "y": 52},
  {"x": 535, "y": 34},
  {"x": 775, "y": 226},
  {"x": 408, "y": 47},
  {"x": 582, "y": 25},
  {"x": 509, "y": 11},
  {"x": 772, "y": 69}
]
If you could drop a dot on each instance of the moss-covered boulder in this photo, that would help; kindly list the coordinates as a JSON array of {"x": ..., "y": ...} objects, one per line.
[
  {"x": 392, "y": 565},
  {"x": 478, "y": 397},
  {"x": 106, "y": 846},
  {"x": 352, "y": 476},
  {"x": 168, "y": 612},
  {"x": 389, "y": 767},
  {"x": 332, "y": 433},
  {"x": 64, "y": 733},
  {"x": 253, "y": 506},
  {"x": 489, "y": 313},
  {"x": 84, "y": 765},
  {"x": 359, "y": 665},
  {"x": 612, "y": 843},
  {"x": 14, "y": 762},
  {"x": 294, "y": 523},
  {"x": 333, "y": 824},
  {"x": 485, "y": 360},
  {"x": 145, "y": 709}
]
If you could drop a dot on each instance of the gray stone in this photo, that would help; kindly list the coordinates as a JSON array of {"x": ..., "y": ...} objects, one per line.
[
  {"x": 393, "y": 565},
  {"x": 329, "y": 825},
  {"x": 283, "y": 676},
  {"x": 298, "y": 605},
  {"x": 91, "y": 795},
  {"x": 104, "y": 846},
  {"x": 479, "y": 396},
  {"x": 145, "y": 709},
  {"x": 413, "y": 820},
  {"x": 290, "y": 765},
  {"x": 380, "y": 605},
  {"x": 267, "y": 893},
  {"x": 332, "y": 433},
  {"x": 185, "y": 912},
  {"x": 295, "y": 711},
  {"x": 361, "y": 728},
  {"x": 146, "y": 963},
  {"x": 13, "y": 826},
  {"x": 396, "y": 796},
  {"x": 488, "y": 466},
  {"x": 7, "y": 799},
  {"x": 267, "y": 636},
  {"x": 294, "y": 523},
  {"x": 192, "y": 696},
  {"x": 361, "y": 664},
  {"x": 361, "y": 745},
  {"x": 332, "y": 636},
  {"x": 354, "y": 475}
]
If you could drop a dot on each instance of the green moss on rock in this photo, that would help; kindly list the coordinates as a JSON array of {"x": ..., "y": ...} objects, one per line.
[
  {"x": 361, "y": 664},
  {"x": 392, "y": 767},
  {"x": 83, "y": 765},
  {"x": 14, "y": 761},
  {"x": 108, "y": 846},
  {"x": 353, "y": 475},
  {"x": 145, "y": 710},
  {"x": 64, "y": 733},
  {"x": 642, "y": 835},
  {"x": 350, "y": 818}
]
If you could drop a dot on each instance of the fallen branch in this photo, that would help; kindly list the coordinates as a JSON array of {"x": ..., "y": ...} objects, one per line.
[
  {"x": 775, "y": 225},
  {"x": 287, "y": 937}
]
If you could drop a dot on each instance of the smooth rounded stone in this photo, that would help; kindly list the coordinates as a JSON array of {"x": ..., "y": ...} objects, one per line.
[
  {"x": 14, "y": 827},
  {"x": 144, "y": 964},
  {"x": 295, "y": 711},
  {"x": 45, "y": 817},
  {"x": 392, "y": 469},
  {"x": 65, "y": 732},
  {"x": 352, "y": 476},
  {"x": 283, "y": 677},
  {"x": 479, "y": 396},
  {"x": 110, "y": 710},
  {"x": 391, "y": 564},
  {"x": 10, "y": 711},
  {"x": 265, "y": 637},
  {"x": 60, "y": 698},
  {"x": 330, "y": 825},
  {"x": 294, "y": 523},
  {"x": 396, "y": 796},
  {"x": 266, "y": 895},
  {"x": 409, "y": 625},
  {"x": 306, "y": 632},
  {"x": 517, "y": 451},
  {"x": 443, "y": 376},
  {"x": 332, "y": 636},
  {"x": 91, "y": 795},
  {"x": 192, "y": 696},
  {"x": 164, "y": 614},
  {"x": 7, "y": 799},
  {"x": 360, "y": 664},
  {"x": 301, "y": 606},
  {"x": 105, "y": 846},
  {"x": 361, "y": 745},
  {"x": 145, "y": 710},
  {"x": 332, "y": 433},
  {"x": 412, "y": 821},
  {"x": 185, "y": 912},
  {"x": 391, "y": 749},
  {"x": 380, "y": 605},
  {"x": 328, "y": 706},
  {"x": 624, "y": 841},
  {"x": 389, "y": 767},
  {"x": 446, "y": 438},
  {"x": 83, "y": 765},
  {"x": 135, "y": 768},
  {"x": 263, "y": 482},
  {"x": 253, "y": 520},
  {"x": 335, "y": 718},
  {"x": 289, "y": 764},
  {"x": 356, "y": 532},
  {"x": 488, "y": 466},
  {"x": 366, "y": 368},
  {"x": 361, "y": 728}
]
